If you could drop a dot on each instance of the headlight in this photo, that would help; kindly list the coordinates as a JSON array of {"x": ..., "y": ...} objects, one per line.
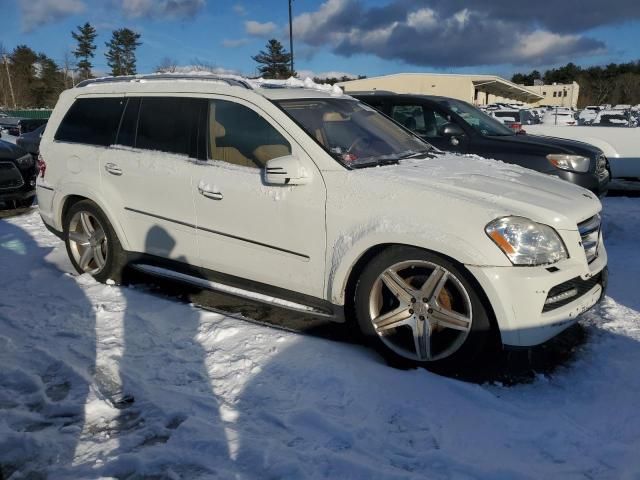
[
  {"x": 526, "y": 242},
  {"x": 26, "y": 161},
  {"x": 572, "y": 163}
]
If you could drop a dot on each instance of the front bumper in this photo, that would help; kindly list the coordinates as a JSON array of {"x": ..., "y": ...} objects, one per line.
[
  {"x": 26, "y": 191},
  {"x": 518, "y": 296}
]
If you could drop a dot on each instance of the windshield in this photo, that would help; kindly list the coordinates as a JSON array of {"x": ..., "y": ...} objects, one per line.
[
  {"x": 353, "y": 133},
  {"x": 477, "y": 119}
]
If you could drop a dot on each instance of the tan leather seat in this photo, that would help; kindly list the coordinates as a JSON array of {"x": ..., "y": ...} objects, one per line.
[
  {"x": 264, "y": 153},
  {"x": 227, "y": 154}
]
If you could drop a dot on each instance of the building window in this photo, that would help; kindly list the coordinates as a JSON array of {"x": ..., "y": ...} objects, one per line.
[
  {"x": 565, "y": 93},
  {"x": 544, "y": 93},
  {"x": 554, "y": 94}
]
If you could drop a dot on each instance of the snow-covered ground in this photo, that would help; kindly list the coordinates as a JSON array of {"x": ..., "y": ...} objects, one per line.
[{"x": 99, "y": 381}]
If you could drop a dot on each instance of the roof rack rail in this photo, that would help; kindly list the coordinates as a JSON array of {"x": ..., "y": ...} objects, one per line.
[{"x": 164, "y": 76}]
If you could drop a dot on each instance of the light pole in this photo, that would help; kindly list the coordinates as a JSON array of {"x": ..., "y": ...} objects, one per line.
[{"x": 291, "y": 35}]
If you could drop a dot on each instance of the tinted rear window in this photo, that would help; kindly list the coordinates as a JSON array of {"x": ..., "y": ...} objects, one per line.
[
  {"x": 174, "y": 125},
  {"x": 92, "y": 121}
]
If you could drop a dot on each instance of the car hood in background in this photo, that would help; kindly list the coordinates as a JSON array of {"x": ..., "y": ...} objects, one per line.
[
  {"x": 557, "y": 145},
  {"x": 9, "y": 151}
]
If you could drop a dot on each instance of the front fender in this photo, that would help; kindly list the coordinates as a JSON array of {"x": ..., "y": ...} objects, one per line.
[{"x": 347, "y": 249}]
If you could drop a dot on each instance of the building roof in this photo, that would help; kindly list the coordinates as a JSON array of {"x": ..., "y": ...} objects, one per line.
[{"x": 491, "y": 84}]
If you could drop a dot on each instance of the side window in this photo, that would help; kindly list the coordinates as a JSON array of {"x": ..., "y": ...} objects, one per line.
[
  {"x": 168, "y": 124},
  {"x": 411, "y": 116},
  {"x": 240, "y": 136},
  {"x": 92, "y": 121},
  {"x": 427, "y": 120}
]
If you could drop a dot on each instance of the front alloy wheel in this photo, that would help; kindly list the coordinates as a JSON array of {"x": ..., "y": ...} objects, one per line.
[
  {"x": 420, "y": 310},
  {"x": 419, "y": 306}
]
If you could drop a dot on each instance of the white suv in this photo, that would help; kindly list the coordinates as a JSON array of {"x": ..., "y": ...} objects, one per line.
[{"x": 313, "y": 201}]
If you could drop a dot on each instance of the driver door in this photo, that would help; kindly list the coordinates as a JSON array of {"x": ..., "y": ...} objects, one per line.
[{"x": 271, "y": 234}]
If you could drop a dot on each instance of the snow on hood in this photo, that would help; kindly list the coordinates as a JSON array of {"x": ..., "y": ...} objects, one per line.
[{"x": 509, "y": 189}]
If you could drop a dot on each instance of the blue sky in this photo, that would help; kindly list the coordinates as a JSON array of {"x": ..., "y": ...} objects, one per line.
[{"x": 369, "y": 37}]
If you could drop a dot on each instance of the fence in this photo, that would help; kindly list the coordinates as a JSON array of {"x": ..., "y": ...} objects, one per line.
[{"x": 29, "y": 113}]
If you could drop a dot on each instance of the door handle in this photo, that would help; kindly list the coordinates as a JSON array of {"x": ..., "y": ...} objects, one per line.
[
  {"x": 210, "y": 194},
  {"x": 113, "y": 169}
]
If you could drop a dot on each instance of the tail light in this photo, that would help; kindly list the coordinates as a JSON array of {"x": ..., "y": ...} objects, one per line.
[
  {"x": 42, "y": 166},
  {"x": 516, "y": 126}
]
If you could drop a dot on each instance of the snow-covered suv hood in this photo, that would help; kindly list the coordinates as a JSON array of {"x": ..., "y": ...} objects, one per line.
[{"x": 503, "y": 188}]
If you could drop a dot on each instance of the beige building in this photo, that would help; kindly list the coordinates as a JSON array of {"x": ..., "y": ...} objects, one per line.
[
  {"x": 475, "y": 89},
  {"x": 557, "y": 94}
]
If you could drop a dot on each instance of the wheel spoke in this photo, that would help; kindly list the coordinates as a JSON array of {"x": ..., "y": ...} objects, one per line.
[
  {"x": 86, "y": 258},
  {"x": 85, "y": 220},
  {"x": 98, "y": 255},
  {"x": 79, "y": 238},
  {"x": 393, "y": 319},
  {"x": 449, "y": 319},
  {"x": 398, "y": 286},
  {"x": 98, "y": 235},
  {"x": 434, "y": 284},
  {"x": 422, "y": 340}
]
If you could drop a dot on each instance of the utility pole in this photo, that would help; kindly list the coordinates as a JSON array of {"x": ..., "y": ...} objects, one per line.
[
  {"x": 13, "y": 97},
  {"x": 291, "y": 36}
]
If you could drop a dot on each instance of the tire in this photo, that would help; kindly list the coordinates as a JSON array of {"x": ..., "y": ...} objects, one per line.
[
  {"x": 439, "y": 323},
  {"x": 107, "y": 258}
]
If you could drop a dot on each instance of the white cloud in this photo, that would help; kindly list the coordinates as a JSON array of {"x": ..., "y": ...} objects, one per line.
[
  {"x": 423, "y": 19},
  {"x": 258, "y": 29},
  {"x": 36, "y": 13},
  {"x": 240, "y": 9},
  {"x": 440, "y": 35},
  {"x": 530, "y": 47},
  {"x": 162, "y": 8},
  {"x": 234, "y": 43}
]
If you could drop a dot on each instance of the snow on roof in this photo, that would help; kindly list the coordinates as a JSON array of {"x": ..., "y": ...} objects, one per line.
[
  {"x": 293, "y": 82},
  {"x": 289, "y": 88}
]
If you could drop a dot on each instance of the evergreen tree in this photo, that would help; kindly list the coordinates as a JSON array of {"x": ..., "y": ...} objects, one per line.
[
  {"x": 84, "y": 52},
  {"x": 121, "y": 54},
  {"x": 22, "y": 67},
  {"x": 48, "y": 84},
  {"x": 275, "y": 62}
]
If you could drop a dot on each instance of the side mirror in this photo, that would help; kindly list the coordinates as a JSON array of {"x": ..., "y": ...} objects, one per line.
[
  {"x": 286, "y": 171},
  {"x": 452, "y": 130}
]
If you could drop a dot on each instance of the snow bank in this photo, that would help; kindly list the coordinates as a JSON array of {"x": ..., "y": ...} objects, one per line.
[{"x": 100, "y": 381}]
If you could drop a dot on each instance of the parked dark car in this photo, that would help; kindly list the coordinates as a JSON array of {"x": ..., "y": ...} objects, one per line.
[
  {"x": 31, "y": 141},
  {"x": 27, "y": 125},
  {"x": 18, "y": 173},
  {"x": 454, "y": 125},
  {"x": 9, "y": 123}
]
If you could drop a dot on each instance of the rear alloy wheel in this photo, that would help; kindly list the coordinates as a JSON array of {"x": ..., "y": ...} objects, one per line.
[
  {"x": 92, "y": 245},
  {"x": 420, "y": 307}
]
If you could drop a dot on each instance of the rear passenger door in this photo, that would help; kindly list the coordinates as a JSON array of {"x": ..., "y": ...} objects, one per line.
[
  {"x": 146, "y": 173},
  {"x": 274, "y": 235}
]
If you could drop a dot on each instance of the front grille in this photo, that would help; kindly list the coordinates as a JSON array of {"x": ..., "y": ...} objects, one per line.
[
  {"x": 577, "y": 284},
  {"x": 10, "y": 176},
  {"x": 590, "y": 235},
  {"x": 601, "y": 167}
]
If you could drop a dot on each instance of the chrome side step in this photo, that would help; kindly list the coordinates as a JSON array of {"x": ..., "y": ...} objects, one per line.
[{"x": 223, "y": 288}]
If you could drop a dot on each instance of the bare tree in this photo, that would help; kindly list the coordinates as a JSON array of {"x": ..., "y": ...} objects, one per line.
[
  {"x": 67, "y": 70},
  {"x": 167, "y": 65}
]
